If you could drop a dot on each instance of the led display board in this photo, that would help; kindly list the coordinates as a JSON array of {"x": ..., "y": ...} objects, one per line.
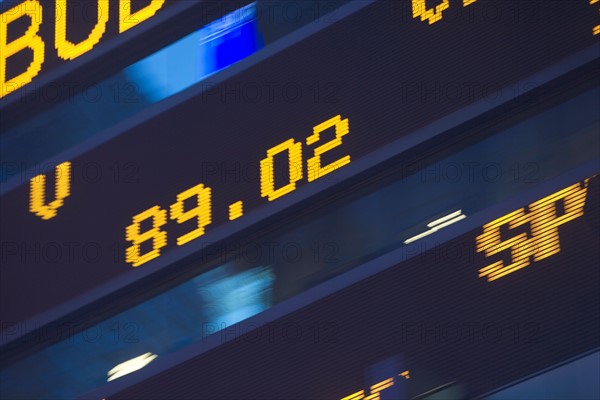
[
  {"x": 238, "y": 146},
  {"x": 37, "y": 36},
  {"x": 494, "y": 305}
]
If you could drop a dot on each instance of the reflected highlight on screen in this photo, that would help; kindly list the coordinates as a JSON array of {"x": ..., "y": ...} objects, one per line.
[{"x": 198, "y": 55}]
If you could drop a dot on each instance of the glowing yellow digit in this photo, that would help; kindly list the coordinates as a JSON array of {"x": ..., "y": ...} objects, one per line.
[
  {"x": 419, "y": 9},
  {"x": 127, "y": 20},
  {"x": 467, "y": 2},
  {"x": 267, "y": 166},
  {"x": 158, "y": 237},
  {"x": 315, "y": 169},
  {"x": 37, "y": 190},
  {"x": 29, "y": 40},
  {"x": 202, "y": 211},
  {"x": 65, "y": 48}
]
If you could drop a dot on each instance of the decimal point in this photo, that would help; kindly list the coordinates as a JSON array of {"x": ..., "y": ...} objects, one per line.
[{"x": 236, "y": 210}]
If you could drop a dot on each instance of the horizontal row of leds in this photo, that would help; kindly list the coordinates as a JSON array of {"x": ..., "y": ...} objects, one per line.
[
  {"x": 543, "y": 239},
  {"x": 236, "y": 210},
  {"x": 376, "y": 388},
  {"x": 596, "y": 29}
]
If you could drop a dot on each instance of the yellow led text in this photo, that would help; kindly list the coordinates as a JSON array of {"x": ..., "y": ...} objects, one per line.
[
  {"x": 127, "y": 20},
  {"x": 595, "y": 29},
  {"x": 155, "y": 234},
  {"x": 203, "y": 195},
  {"x": 29, "y": 40},
  {"x": 236, "y": 210},
  {"x": 202, "y": 211},
  {"x": 68, "y": 50},
  {"x": 376, "y": 389},
  {"x": 432, "y": 14},
  {"x": 294, "y": 149},
  {"x": 267, "y": 181},
  {"x": 542, "y": 240},
  {"x": 62, "y": 190},
  {"x": 65, "y": 49},
  {"x": 315, "y": 169}
]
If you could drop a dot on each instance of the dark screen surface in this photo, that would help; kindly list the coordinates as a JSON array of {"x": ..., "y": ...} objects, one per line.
[
  {"x": 433, "y": 320},
  {"x": 383, "y": 72}
]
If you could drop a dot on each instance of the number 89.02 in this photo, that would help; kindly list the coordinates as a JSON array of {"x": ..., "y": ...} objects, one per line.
[{"x": 202, "y": 212}]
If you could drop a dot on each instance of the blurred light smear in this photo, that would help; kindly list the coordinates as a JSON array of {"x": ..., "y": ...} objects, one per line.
[{"x": 198, "y": 55}]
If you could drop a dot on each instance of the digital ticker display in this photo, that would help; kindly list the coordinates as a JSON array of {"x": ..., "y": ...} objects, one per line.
[
  {"x": 433, "y": 320},
  {"x": 38, "y": 36},
  {"x": 238, "y": 145}
]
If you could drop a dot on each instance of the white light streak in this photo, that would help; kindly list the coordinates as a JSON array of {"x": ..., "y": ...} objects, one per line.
[
  {"x": 438, "y": 224},
  {"x": 130, "y": 366}
]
